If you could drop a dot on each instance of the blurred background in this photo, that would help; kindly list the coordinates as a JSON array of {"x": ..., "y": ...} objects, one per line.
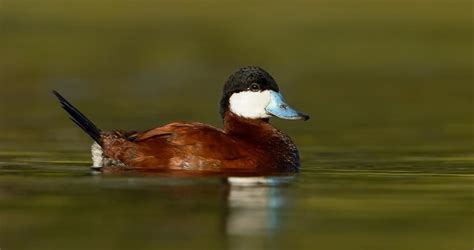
[
  {"x": 371, "y": 73},
  {"x": 387, "y": 155}
]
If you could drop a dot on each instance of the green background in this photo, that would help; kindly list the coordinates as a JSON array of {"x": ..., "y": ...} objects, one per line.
[{"x": 387, "y": 156}]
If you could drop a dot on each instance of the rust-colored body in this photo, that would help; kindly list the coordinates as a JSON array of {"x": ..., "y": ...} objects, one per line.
[{"x": 244, "y": 145}]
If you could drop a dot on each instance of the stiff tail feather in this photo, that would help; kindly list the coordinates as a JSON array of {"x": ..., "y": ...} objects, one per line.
[{"x": 79, "y": 119}]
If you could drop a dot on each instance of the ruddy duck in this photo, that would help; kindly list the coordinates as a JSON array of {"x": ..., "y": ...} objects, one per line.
[{"x": 247, "y": 143}]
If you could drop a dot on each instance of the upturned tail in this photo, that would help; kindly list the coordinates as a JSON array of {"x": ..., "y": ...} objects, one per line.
[{"x": 79, "y": 119}]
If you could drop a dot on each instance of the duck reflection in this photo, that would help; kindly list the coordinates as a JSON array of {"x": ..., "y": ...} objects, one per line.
[
  {"x": 241, "y": 213},
  {"x": 254, "y": 208}
]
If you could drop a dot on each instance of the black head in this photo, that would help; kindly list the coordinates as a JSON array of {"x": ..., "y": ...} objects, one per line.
[{"x": 251, "y": 78}]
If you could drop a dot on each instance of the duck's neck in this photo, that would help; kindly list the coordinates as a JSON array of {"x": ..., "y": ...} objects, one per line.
[{"x": 237, "y": 125}]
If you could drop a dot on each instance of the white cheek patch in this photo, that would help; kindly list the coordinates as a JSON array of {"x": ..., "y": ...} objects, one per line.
[{"x": 250, "y": 104}]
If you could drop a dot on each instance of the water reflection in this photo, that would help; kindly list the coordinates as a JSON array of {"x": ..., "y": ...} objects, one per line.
[
  {"x": 163, "y": 212},
  {"x": 254, "y": 209}
]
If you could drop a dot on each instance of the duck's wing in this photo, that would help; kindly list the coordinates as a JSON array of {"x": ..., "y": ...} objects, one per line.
[
  {"x": 197, "y": 138},
  {"x": 167, "y": 130},
  {"x": 193, "y": 139},
  {"x": 182, "y": 145}
]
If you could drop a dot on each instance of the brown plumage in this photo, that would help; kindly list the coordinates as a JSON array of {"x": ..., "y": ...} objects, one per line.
[{"x": 243, "y": 145}]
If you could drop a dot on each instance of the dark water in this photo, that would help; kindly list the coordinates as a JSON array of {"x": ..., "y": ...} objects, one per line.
[
  {"x": 340, "y": 200},
  {"x": 387, "y": 158}
]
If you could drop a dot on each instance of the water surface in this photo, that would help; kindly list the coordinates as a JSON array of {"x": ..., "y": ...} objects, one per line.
[{"x": 339, "y": 200}]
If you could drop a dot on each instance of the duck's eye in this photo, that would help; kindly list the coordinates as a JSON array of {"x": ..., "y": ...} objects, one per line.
[{"x": 255, "y": 87}]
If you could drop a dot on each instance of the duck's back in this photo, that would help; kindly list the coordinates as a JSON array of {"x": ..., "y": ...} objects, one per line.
[
  {"x": 194, "y": 146},
  {"x": 197, "y": 146}
]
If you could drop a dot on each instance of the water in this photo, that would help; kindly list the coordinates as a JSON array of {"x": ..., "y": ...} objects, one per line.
[
  {"x": 387, "y": 158},
  {"x": 339, "y": 200}
]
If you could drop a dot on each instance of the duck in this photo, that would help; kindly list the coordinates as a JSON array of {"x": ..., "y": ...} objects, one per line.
[{"x": 247, "y": 143}]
